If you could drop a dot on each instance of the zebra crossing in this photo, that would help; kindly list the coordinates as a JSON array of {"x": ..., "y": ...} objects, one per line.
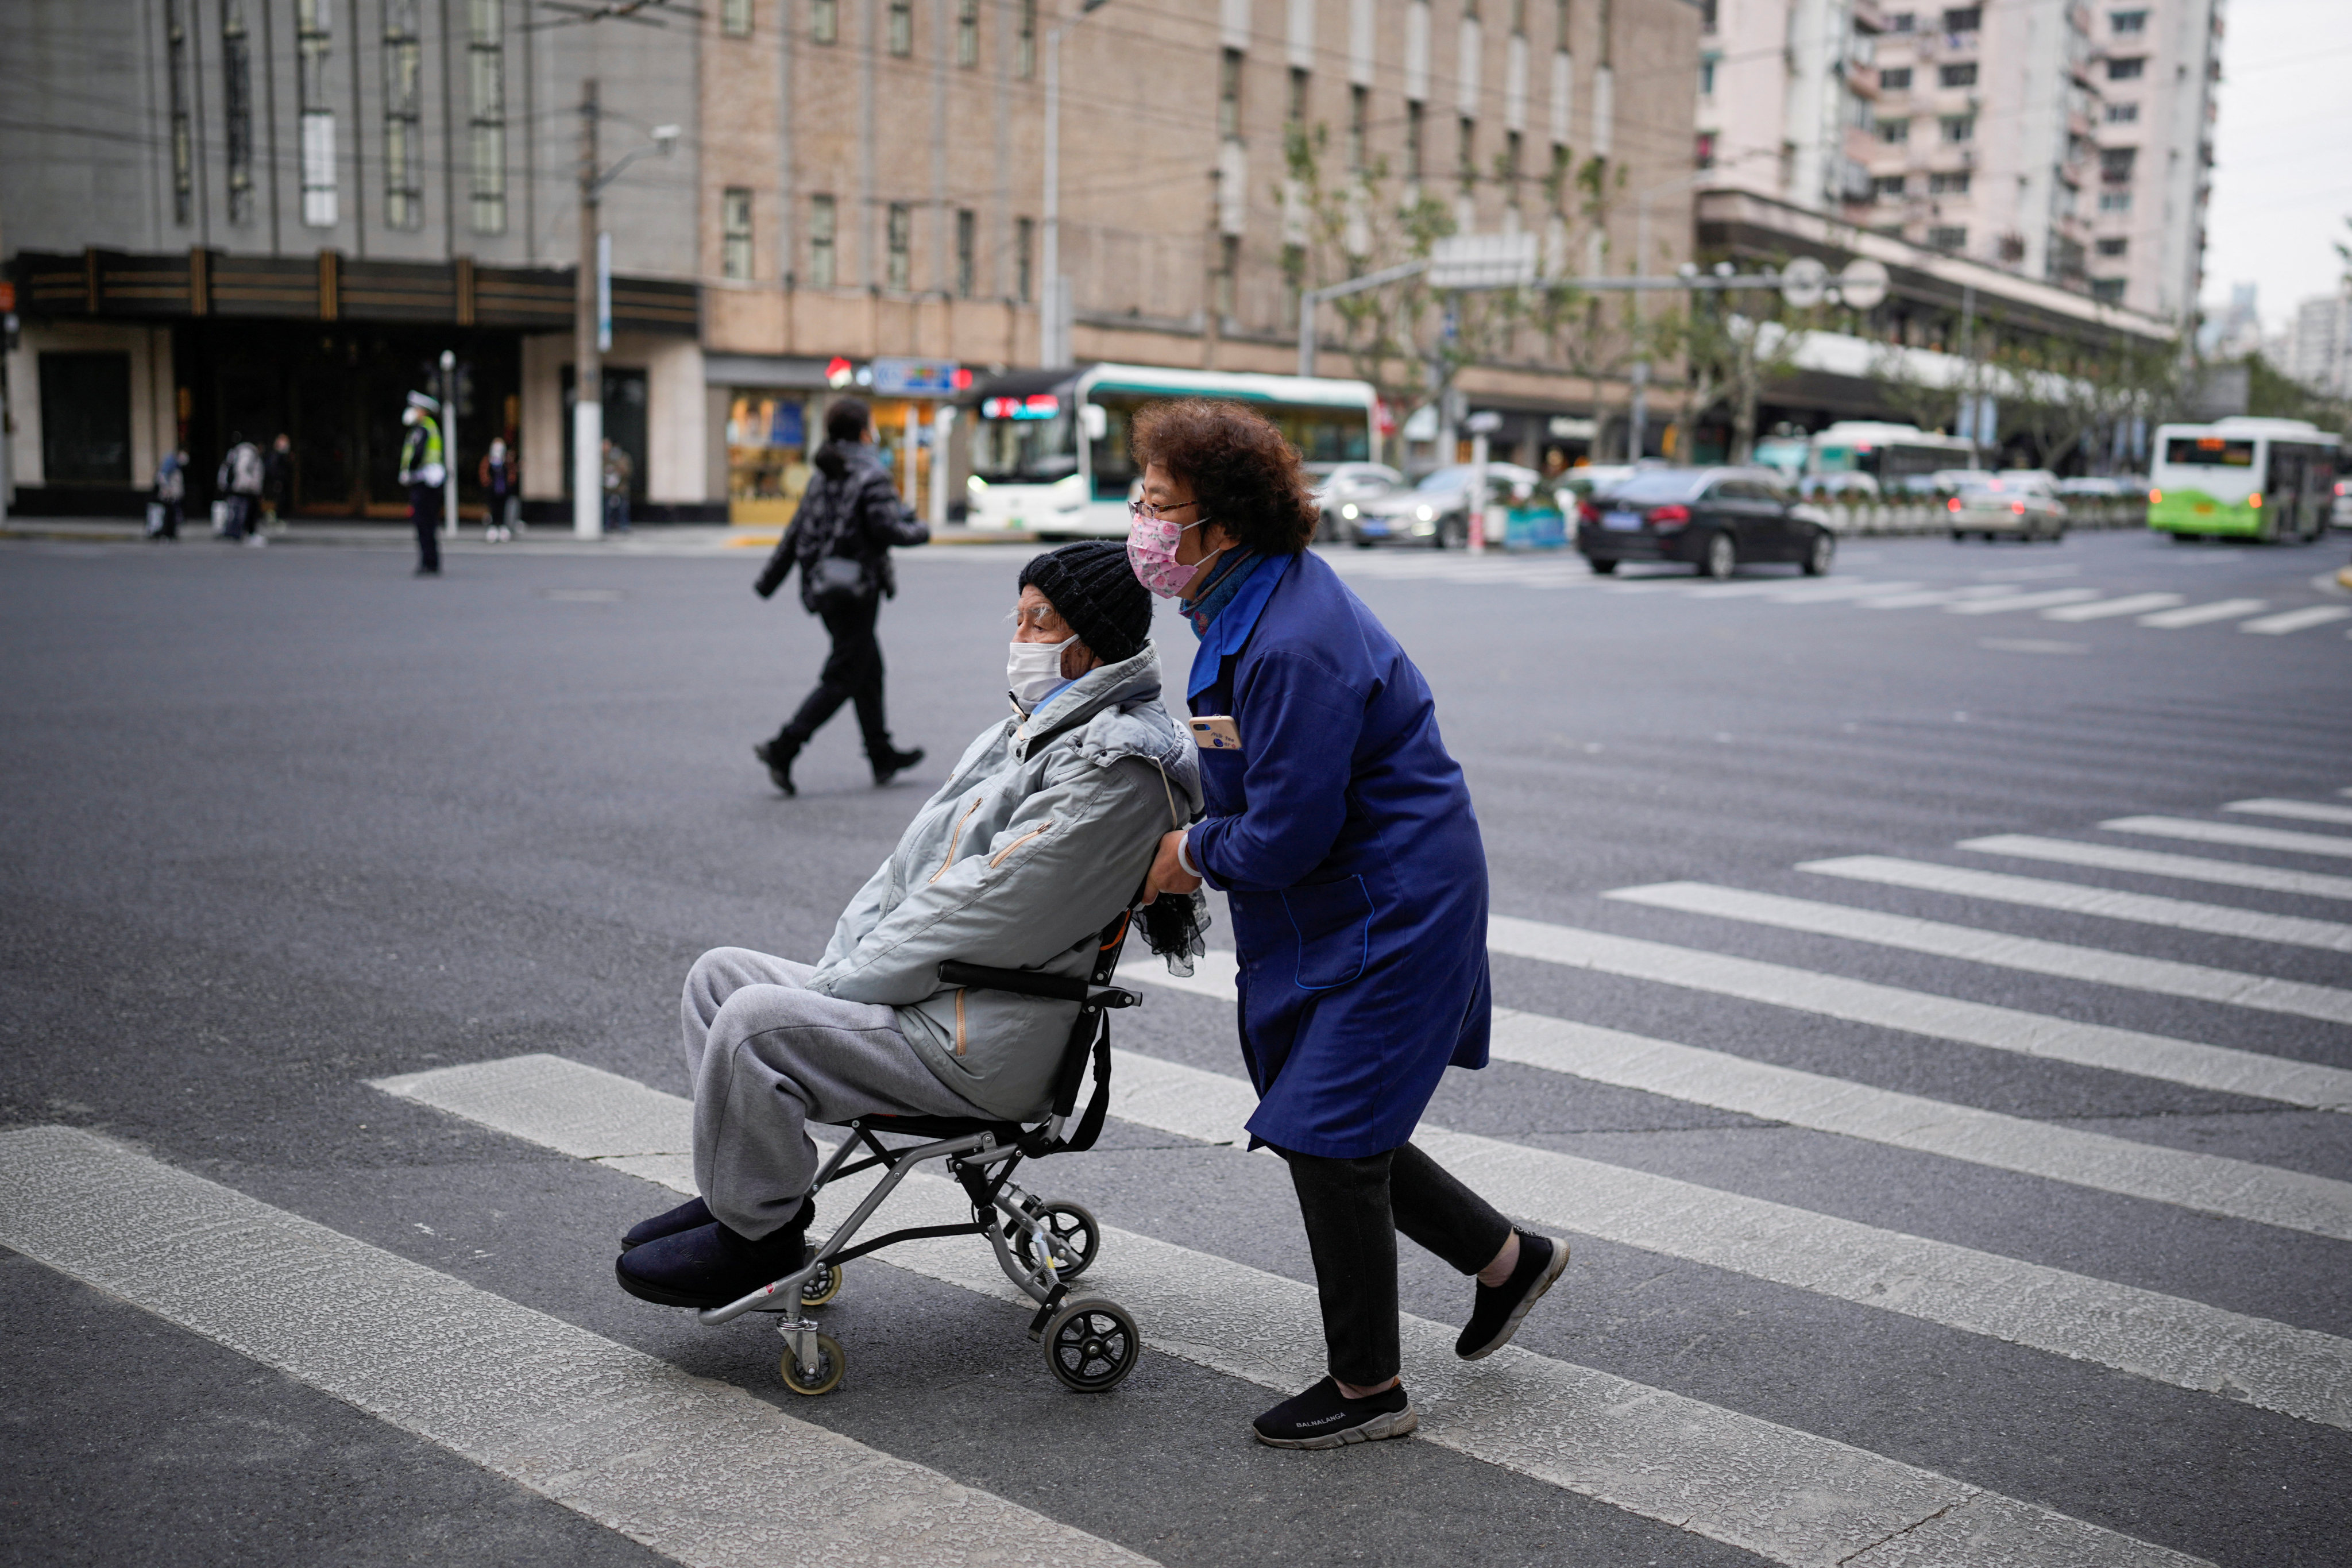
[{"x": 2067, "y": 605}]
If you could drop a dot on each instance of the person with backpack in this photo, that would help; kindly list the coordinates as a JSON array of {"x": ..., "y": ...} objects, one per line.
[
  {"x": 239, "y": 483},
  {"x": 421, "y": 470},
  {"x": 840, "y": 538},
  {"x": 171, "y": 497}
]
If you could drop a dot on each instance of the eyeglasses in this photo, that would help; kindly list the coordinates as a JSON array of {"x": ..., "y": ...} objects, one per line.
[{"x": 1140, "y": 509}]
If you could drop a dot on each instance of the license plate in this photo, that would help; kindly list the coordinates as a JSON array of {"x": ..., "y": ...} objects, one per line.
[
  {"x": 1620, "y": 520},
  {"x": 1371, "y": 525}
]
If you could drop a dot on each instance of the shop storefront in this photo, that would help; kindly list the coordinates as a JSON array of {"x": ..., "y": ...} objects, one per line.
[{"x": 775, "y": 410}]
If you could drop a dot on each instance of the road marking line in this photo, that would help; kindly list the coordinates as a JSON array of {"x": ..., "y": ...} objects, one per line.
[
  {"x": 2156, "y": 863},
  {"x": 2305, "y": 810},
  {"x": 698, "y": 1470},
  {"x": 1945, "y": 939},
  {"x": 2235, "y": 1189},
  {"x": 2198, "y": 615},
  {"x": 2296, "y": 620},
  {"x": 2131, "y": 604},
  {"x": 2221, "y": 919},
  {"x": 1789, "y": 1495},
  {"x": 2232, "y": 833},
  {"x": 2024, "y": 602},
  {"x": 1936, "y": 596},
  {"x": 2186, "y": 1062},
  {"x": 1826, "y": 592}
]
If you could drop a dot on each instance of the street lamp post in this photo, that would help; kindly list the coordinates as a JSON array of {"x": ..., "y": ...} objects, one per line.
[
  {"x": 587, "y": 323},
  {"x": 448, "y": 444},
  {"x": 1052, "y": 315}
]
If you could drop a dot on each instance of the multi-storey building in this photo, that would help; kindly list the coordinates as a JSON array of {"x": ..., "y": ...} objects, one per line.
[{"x": 2319, "y": 349}]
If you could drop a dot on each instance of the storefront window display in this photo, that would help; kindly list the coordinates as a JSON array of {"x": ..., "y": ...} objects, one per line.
[{"x": 767, "y": 456}]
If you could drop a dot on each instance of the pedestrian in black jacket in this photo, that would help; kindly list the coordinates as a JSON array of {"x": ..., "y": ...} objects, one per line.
[{"x": 840, "y": 538}]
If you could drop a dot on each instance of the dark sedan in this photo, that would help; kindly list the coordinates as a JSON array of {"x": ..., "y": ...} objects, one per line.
[{"x": 1713, "y": 520}]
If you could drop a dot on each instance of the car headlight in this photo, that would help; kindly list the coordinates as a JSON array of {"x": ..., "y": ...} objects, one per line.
[
  {"x": 975, "y": 484},
  {"x": 1424, "y": 513},
  {"x": 1348, "y": 512}
]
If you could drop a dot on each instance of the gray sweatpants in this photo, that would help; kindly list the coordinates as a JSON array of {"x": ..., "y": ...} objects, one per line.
[{"x": 766, "y": 1058}]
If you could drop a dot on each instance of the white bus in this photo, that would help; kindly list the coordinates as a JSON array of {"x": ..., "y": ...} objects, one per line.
[
  {"x": 2243, "y": 478},
  {"x": 1049, "y": 453},
  {"x": 1894, "y": 456}
]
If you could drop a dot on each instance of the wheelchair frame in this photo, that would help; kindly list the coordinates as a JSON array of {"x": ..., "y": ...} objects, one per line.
[{"x": 1091, "y": 1343}]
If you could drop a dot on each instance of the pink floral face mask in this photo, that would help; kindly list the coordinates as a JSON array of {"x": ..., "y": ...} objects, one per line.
[{"x": 1152, "y": 541}]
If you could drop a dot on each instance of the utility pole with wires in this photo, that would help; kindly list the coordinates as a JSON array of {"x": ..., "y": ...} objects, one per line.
[{"x": 590, "y": 304}]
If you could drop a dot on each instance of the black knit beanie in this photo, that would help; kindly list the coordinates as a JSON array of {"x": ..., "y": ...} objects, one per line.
[{"x": 1092, "y": 586}]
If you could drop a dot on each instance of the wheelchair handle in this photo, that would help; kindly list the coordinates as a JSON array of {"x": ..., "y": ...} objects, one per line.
[{"x": 1029, "y": 983}]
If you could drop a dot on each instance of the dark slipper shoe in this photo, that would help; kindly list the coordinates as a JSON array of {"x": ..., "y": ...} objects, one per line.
[
  {"x": 691, "y": 1215},
  {"x": 709, "y": 1265},
  {"x": 1323, "y": 1418},
  {"x": 1495, "y": 1315}
]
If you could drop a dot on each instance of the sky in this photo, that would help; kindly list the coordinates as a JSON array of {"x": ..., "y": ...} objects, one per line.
[{"x": 2283, "y": 153}]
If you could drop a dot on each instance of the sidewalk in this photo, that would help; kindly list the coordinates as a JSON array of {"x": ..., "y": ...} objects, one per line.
[{"x": 548, "y": 539}]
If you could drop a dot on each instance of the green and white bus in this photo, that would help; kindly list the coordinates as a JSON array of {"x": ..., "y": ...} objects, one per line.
[
  {"x": 2243, "y": 478},
  {"x": 1049, "y": 453}
]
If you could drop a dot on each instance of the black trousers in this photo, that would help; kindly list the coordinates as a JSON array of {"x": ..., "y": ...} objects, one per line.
[
  {"x": 425, "y": 511},
  {"x": 1353, "y": 1210},
  {"x": 852, "y": 674}
]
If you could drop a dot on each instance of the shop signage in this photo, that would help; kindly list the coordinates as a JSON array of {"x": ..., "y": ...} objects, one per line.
[{"x": 902, "y": 377}]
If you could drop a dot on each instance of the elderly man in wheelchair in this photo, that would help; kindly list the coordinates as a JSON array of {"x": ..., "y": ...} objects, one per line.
[{"x": 960, "y": 997}]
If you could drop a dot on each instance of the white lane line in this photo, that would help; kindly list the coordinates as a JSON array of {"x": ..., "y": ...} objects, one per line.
[
  {"x": 2232, "y": 833},
  {"x": 1789, "y": 1495},
  {"x": 2296, "y": 620},
  {"x": 2156, "y": 863},
  {"x": 2163, "y": 1338},
  {"x": 1945, "y": 939},
  {"x": 2302, "y": 810},
  {"x": 2186, "y": 1062},
  {"x": 2235, "y": 1189},
  {"x": 2130, "y": 604},
  {"x": 2024, "y": 602},
  {"x": 1829, "y": 592},
  {"x": 2198, "y": 615},
  {"x": 2184, "y": 914},
  {"x": 1926, "y": 597},
  {"x": 698, "y": 1470}
]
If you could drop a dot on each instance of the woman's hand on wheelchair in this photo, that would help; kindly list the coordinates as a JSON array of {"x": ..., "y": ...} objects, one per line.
[{"x": 1168, "y": 873}]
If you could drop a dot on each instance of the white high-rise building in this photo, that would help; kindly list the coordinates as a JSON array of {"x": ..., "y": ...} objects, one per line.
[{"x": 2319, "y": 344}]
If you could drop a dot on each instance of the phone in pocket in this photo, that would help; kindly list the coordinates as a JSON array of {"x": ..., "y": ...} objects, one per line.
[{"x": 1216, "y": 732}]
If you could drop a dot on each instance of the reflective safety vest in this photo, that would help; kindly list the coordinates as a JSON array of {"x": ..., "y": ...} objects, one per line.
[{"x": 422, "y": 451}]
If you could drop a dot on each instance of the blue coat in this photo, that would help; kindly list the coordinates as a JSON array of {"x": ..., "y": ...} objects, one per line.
[{"x": 1342, "y": 836}]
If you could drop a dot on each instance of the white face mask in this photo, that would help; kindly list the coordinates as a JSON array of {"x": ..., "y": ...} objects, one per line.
[{"x": 1033, "y": 668}]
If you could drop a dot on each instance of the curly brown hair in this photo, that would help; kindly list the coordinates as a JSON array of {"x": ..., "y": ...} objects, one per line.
[{"x": 1245, "y": 475}]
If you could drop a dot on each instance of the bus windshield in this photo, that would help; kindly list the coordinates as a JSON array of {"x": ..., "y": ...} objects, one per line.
[
  {"x": 1034, "y": 449},
  {"x": 2209, "y": 452}
]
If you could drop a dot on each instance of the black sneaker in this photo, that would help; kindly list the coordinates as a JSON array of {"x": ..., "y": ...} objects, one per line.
[
  {"x": 777, "y": 760},
  {"x": 710, "y": 1265},
  {"x": 689, "y": 1215},
  {"x": 1494, "y": 1316},
  {"x": 890, "y": 764},
  {"x": 1323, "y": 1418}
]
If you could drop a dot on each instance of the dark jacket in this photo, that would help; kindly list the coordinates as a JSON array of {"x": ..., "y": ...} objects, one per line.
[{"x": 850, "y": 511}]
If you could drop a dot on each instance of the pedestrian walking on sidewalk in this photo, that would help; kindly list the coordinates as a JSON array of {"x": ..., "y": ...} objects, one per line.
[
  {"x": 1342, "y": 832},
  {"x": 239, "y": 483},
  {"x": 171, "y": 498},
  {"x": 840, "y": 538},
  {"x": 500, "y": 475},
  {"x": 618, "y": 473},
  {"x": 277, "y": 478},
  {"x": 421, "y": 470}
]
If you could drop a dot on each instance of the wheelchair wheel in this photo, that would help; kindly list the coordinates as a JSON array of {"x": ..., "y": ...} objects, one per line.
[
  {"x": 1074, "y": 1226},
  {"x": 1092, "y": 1344},
  {"x": 830, "y": 1362},
  {"x": 822, "y": 1288}
]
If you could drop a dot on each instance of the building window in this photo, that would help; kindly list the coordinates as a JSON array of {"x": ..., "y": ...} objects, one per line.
[
  {"x": 1511, "y": 155},
  {"x": 1702, "y": 151},
  {"x": 1963, "y": 18},
  {"x": 967, "y": 33},
  {"x": 487, "y": 67},
  {"x": 85, "y": 417},
  {"x": 967, "y": 243},
  {"x": 1901, "y": 22},
  {"x": 2114, "y": 201},
  {"x": 404, "y": 149},
  {"x": 1229, "y": 263},
  {"x": 1024, "y": 234},
  {"x": 236, "y": 108},
  {"x": 2116, "y": 165},
  {"x": 822, "y": 272},
  {"x": 902, "y": 26},
  {"x": 1947, "y": 239},
  {"x": 2127, "y": 21},
  {"x": 2112, "y": 247},
  {"x": 1895, "y": 79},
  {"x": 1024, "y": 53},
  {"x": 313, "y": 47},
  {"x": 1958, "y": 127},
  {"x": 899, "y": 241},
  {"x": 1964, "y": 75},
  {"x": 1466, "y": 152},
  {"x": 1359, "y": 114},
  {"x": 1707, "y": 75},
  {"x": 1894, "y": 133},
  {"x": 2107, "y": 290},
  {"x": 1519, "y": 18},
  {"x": 1707, "y": 20},
  {"x": 2122, "y": 113},
  {"x": 1229, "y": 95},
  {"x": 825, "y": 21},
  {"x": 735, "y": 18},
  {"x": 735, "y": 232},
  {"x": 1887, "y": 187},
  {"x": 1413, "y": 127},
  {"x": 1298, "y": 81},
  {"x": 184, "y": 139},
  {"x": 1560, "y": 24},
  {"x": 2127, "y": 70},
  {"x": 1952, "y": 184}
]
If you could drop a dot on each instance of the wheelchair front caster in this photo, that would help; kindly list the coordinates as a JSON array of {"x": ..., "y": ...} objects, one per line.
[
  {"x": 829, "y": 1364},
  {"x": 1073, "y": 1226},
  {"x": 1091, "y": 1344},
  {"x": 822, "y": 1288}
]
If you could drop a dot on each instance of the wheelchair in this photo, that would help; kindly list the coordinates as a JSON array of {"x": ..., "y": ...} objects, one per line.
[{"x": 1042, "y": 1244}]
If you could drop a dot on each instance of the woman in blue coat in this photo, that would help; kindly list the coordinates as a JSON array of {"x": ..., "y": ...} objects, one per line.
[{"x": 1341, "y": 834}]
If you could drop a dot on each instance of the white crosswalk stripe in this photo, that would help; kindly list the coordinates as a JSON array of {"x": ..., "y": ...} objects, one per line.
[
  {"x": 2233, "y": 833},
  {"x": 2219, "y": 919},
  {"x": 2198, "y": 615},
  {"x": 1789, "y": 1495},
  {"x": 1909, "y": 596},
  {"x": 1945, "y": 939},
  {"x": 2186, "y": 1062},
  {"x": 2296, "y": 620},
  {"x": 701, "y": 1472},
  {"x": 2302, "y": 810},
  {"x": 2129, "y": 604},
  {"x": 2236, "y": 1189},
  {"x": 2002, "y": 607},
  {"x": 2156, "y": 863}
]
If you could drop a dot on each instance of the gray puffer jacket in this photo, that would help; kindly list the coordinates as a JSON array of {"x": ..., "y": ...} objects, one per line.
[{"x": 1043, "y": 833}]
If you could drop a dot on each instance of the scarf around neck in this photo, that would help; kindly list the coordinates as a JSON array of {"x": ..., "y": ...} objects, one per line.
[{"x": 1224, "y": 584}]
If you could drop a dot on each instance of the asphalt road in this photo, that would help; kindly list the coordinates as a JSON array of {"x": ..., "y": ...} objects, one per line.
[{"x": 280, "y": 823}]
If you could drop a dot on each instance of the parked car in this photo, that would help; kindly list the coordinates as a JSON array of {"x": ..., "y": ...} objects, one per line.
[
  {"x": 1436, "y": 511},
  {"x": 2103, "y": 486},
  {"x": 1337, "y": 484},
  {"x": 2020, "y": 501},
  {"x": 1713, "y": 519}
]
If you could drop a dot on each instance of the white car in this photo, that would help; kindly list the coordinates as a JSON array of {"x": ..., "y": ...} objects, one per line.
[
  {"x": 2020, "y": 501},
  {"x": 1337, "y": 485}
]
